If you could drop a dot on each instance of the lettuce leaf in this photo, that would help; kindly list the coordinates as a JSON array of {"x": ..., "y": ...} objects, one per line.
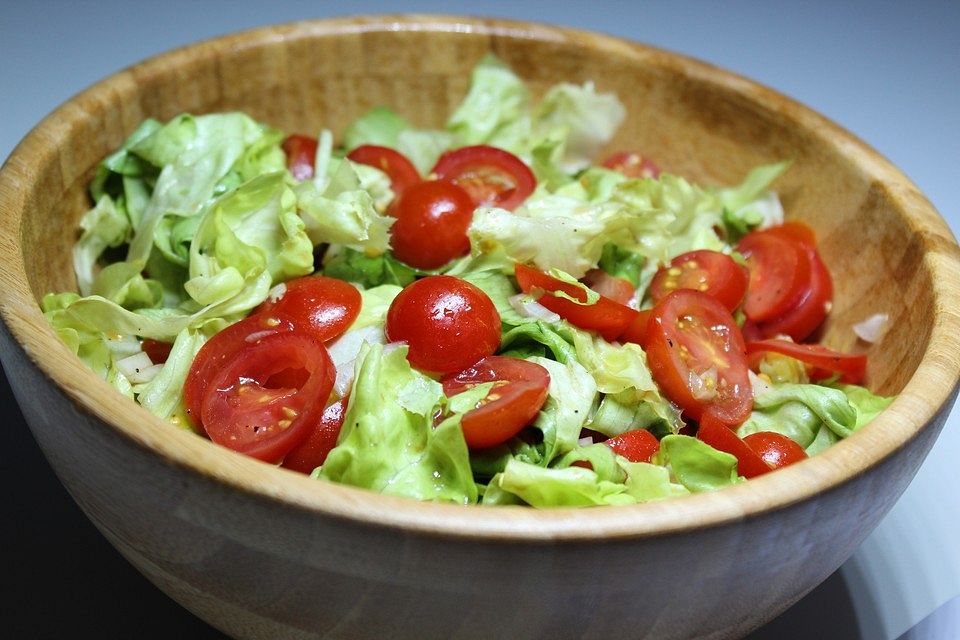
[
  {"x": 696, "y": 465},
  {"x": 497, "y": 99}
]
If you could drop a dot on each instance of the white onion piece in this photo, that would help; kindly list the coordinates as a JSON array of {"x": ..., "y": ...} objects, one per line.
[
  {"x": 123, "y": 346},
  {"x": 277, "y": 292},
  {"x": 137, "y": 368},
  {"x": 529, "y": 308},
  {"x": 769, "y": 208},
  {"x": 759, "y": 385},
  {"x": 585, "y": 442},
  {"x": 873, "y": 328},
  {"x": 344, "y": 351}
]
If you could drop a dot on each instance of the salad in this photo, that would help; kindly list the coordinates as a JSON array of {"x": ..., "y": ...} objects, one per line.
[{"x": 475, "y": 314}]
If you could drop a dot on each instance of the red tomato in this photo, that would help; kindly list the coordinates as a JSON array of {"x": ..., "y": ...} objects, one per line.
[
  {"x": 312, "y": 452},
  {"x": 608, "y": 318},
  {"x": 157, "y": 351},
  {"x": 401, "y": 171},
  {"x": 617, "y": 289},
  {"x": 722, "y": 438},
  {"x": 697, "y": 356},
  {"x": 712, "y": 272},
  {"x": 493, "y": 177},
  {"x": 636, "y": 331},
  {"x": 448, "y": 323},
  {"x": 779, "y": 274},
  {"x": 632, "y": 165},
  {"x": 796, "y": 230},
  {"x": 825, "y": 362},
  {"x": 519, "y": 391},
  {"x": 241, "y": 411},
  {"x": 325, "y": 307},
  {"x": 220, "y": 349},
  {"x": 809, "y": 312},
  {"x": 638, "y": 445},
  {"x": 777, "y": 450},
  {"x": 432, "y": 221},
  {"x": 301, "y": 153}
]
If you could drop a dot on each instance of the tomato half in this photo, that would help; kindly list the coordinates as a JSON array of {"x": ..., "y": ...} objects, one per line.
[
  {"x": 220, "y": 349},
  {"x": 632, "y": 165},
  {"x": 432, "y": 221},
  {"x": 796, "y": 230},
  {"x": 157, "y": 351},
  {"x": 519, "y": 391},
  {"x": 637, "y": 445},
  {"x": 809, "y": 312},
  {"x": 312, "y": 452},
  {"x": 493, "y": 177},
  {"x": 241, "y": 411},
  {"x": 397, "y": 166},
  {"x": 325, "y": 307},
  {"x": 301, "y": 154},
  {"x": 617, "y": 289},
  {"x": 714, "y": 273},
  {"x": 722, "y": 438},
  {"x": 608, "y": 318},
  {"x": 636, "y": 331},
  {"x": 697, "y": 356},
  {"x": 825, "y": 362},
  {"x": 448, "y": 323},
  {"x": 779, "y": 274},
  {"x": 776, "y": 449}
]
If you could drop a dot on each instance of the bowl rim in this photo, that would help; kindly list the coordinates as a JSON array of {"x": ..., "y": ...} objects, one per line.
[{"x": 922, "y": 399}]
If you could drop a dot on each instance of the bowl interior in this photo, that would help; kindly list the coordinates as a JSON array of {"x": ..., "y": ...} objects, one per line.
[{"x": 876, "y": 232}]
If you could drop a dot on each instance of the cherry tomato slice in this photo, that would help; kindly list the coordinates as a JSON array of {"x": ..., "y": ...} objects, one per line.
[
  {"x": 401, "y": 171},
  {"x": 637, "y": 445},
  {"x": 714, "y": 273},
  {"x": 301, "y": 154},
  {"x": 448, "y": 323},
  {"x": 608, "y": 318},
  {"x": 779, "y": 274},
  {"x": 809, "y": 312},
  {"x": 519, "y": 391},
  {"x": 636, "y": 331},
  {"x": 722, "y": 438},
  {"x": 220, "y": 349},
  {"x": 432, "y": 221},
  {"x": 241, "y": 412},
  {"x": 617, "y": 289},
  {"x": 697, "y": 356},
  {"x": 777, "y": 450},
  {"x": 157, "y": 351},
  {"x": 825, "y": 362},
  {"x": 326, "y": 307},
  {"x": 312, "y": 452},
  {"x": 493, "y": 177},
  {"x": 632, "y": 165},
  {"x": 796, "y": 230}
]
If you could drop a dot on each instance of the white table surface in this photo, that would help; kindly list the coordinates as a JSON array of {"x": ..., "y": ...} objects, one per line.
[{"x": 887, "y": 71}]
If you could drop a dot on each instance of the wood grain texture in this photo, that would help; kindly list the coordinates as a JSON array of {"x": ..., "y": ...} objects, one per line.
[{"x": 264, "y": 553}]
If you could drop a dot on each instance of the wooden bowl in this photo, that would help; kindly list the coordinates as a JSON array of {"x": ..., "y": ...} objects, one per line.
[{"x": 260, "y": 552}]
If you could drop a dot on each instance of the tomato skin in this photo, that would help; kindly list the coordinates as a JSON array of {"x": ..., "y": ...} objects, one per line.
[
  {"x": 219, "y": 350},
  {"x": 777, "y": 450},
  {"x": 312, "y": 452},
  {"x": 520, "y": 388},
  {"x": 711, "y": 272},
  {"x": 636, "y": 331},
  {"x": 326, "y": 307},
  {"x": 809, "y": 311},
  {"x": 617, "y": 289},
  {"x": 825, "y": 362},
  {"x": 796, "y": 230},
  {"x": 432, "y": 221},
  {"x": 632, "y": 165},
  {"x": 638, "y": 445},
  {"x": 608, "y": 318},
  {"x": 301, "y": 154},
  {"x": 689, "y": 334},
  {"x": 722, "y": 438},
  {"x": 241, "y": 412},
  {"x": 493, "y": 177},
  {"x": 157, "y": 351},
  {"x": 779, "y": 273},
  {"x": 448, "y": 323},
  {"x": 397, "y": 166}
]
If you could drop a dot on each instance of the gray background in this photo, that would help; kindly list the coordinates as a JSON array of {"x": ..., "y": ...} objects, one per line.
[{"x": 887, "y": 71}]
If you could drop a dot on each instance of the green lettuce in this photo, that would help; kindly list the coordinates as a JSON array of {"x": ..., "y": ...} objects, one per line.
[{"x": 697, "y": 465}]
